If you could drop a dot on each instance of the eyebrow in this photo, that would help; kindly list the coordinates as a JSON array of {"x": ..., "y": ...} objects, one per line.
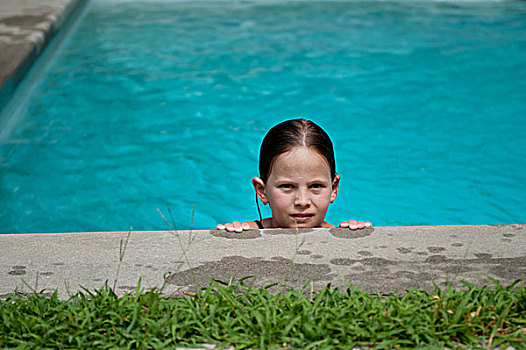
[{"x": 285, "y": 180}]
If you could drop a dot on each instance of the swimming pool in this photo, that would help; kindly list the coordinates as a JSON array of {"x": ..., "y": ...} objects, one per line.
[{"x": 161, "y": 104}]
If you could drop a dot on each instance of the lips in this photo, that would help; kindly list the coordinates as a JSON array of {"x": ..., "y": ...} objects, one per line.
[{"x": 301, "y": 217}]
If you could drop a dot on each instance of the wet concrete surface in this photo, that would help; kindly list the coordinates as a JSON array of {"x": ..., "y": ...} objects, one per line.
[{"x": 377, "y": 259}]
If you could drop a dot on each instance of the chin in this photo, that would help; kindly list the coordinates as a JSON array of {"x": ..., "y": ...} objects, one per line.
[{"x": 305, "y": 225}]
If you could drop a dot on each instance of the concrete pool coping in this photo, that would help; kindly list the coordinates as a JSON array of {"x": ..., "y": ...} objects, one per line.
[
  {"x": 378, "y": 259},
  {"x": 26, "y": 29}
]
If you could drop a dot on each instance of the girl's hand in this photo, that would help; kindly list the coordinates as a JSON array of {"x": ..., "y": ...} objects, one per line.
[
  {"x": 355, "y": 225},
  {"x": 236, "y": 226}
]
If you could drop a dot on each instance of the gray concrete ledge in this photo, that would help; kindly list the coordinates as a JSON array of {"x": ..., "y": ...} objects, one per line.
[
  {"x": 26, "y": 28},
  {"x": 377, "y": 259}
]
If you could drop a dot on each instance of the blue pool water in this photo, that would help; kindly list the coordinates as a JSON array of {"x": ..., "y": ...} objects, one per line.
[{"x": 163, "y": 104}]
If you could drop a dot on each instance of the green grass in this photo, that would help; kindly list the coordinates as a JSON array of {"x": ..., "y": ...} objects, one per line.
[{"x": 475, "y": 317}]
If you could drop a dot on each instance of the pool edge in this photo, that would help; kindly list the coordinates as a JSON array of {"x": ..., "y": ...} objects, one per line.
[
  {"x": 377, "y": 259},
  {"x": 34, "y": 45}
]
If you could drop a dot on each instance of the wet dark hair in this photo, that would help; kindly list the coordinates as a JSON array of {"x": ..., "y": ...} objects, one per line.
[{"x": 290, "y": 134}]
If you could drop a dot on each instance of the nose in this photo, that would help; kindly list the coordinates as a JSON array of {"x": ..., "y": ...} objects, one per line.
[{"x": 302, "y": 199}]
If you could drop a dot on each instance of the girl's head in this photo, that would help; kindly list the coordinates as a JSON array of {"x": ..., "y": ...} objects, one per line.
[
  {"x": 290, "y": 134},
  {"x": 297, "y": 174}
]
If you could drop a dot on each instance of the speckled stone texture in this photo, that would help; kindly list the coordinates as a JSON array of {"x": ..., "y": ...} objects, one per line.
[
  {"x": 378, "y": 259},
  {"x": 26, "y": 27}
]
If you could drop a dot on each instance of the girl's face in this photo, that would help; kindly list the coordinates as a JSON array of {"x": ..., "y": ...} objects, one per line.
[{"x": 299, "y": 189}]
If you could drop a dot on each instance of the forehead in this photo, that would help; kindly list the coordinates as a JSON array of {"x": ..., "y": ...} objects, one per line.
[{"x": 301, "y": 161}]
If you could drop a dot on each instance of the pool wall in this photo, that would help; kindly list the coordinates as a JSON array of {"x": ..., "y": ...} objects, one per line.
[
  {"x": 379, "y": 258},
  {"x": 26, "y": 29}
]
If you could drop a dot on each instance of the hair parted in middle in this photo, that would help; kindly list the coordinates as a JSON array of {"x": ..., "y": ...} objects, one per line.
[{"x": 289, "y": 134}]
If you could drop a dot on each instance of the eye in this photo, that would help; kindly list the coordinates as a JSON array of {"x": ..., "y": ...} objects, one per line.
[
  {"x": 317, "y": 186},
  {"x": 286, "y": 186}
]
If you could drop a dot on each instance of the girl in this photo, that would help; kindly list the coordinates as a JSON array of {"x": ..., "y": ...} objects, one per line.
[{"x": 297, "y": 179}]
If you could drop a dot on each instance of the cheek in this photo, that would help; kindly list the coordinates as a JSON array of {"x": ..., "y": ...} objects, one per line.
[
  {"x": 324, "y": 199},
  {"x": 279, "y": 200}
]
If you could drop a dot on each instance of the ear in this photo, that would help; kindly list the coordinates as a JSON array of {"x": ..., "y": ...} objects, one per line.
[
  {"x": 335, "y": 187},
  {"x": 259, "y": 187}
]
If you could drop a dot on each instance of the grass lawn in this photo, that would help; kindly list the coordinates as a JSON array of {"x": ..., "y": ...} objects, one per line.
[{"x": 246, "y": 317}]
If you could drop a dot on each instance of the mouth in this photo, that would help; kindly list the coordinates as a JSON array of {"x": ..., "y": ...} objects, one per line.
[{"x": 301, "y": 217}]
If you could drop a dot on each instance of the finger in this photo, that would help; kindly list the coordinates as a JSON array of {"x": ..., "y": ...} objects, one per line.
[
  {"x": 229, "y": 227},
  {"x": 360, "y": 224},
  {"x": 344, "y": 224},
  {"x": 368, "y": 224},
  {"x": 237, "y": 227},
  {"x": 220, "y": 227},
  {"x": 353, "y": 225},
  {"x": 245, "y": 226}
]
